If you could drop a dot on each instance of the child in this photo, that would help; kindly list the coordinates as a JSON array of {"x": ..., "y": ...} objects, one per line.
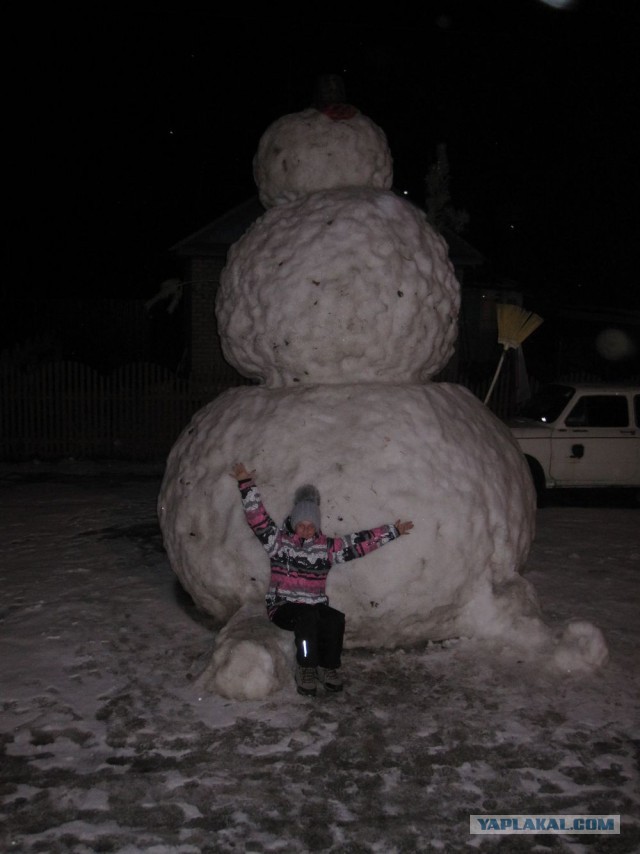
[{"x": 301, "y": 557}]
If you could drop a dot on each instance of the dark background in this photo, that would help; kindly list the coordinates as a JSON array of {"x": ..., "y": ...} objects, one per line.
[{"x": 129, "y": 130}]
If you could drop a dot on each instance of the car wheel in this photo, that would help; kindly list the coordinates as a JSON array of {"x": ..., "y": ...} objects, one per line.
[{"x": 537, "y": 475}]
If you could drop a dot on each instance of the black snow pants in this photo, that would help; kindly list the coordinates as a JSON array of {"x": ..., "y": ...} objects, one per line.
[{"x": 318, "y": 633}]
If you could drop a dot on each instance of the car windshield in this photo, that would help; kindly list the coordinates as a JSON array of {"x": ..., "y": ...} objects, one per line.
[{"x": 547, "y": 404}]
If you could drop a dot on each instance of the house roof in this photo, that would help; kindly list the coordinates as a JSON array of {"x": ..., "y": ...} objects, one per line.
[
  {"x": 461, "y": 253},
  {"x": 216, "y": 237}
]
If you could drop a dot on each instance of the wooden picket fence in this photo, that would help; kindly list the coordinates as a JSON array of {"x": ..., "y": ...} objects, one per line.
[{"x": 66, "y": 409}]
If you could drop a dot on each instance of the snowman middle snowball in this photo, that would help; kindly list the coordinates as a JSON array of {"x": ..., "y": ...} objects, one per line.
[{"x": 348, "y": 285}]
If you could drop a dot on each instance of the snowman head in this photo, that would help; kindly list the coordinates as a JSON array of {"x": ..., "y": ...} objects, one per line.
[{"x": 328, "y": 146}]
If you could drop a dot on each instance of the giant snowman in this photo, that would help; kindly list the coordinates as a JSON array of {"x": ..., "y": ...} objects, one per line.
[{"x": 342, "y": 303}]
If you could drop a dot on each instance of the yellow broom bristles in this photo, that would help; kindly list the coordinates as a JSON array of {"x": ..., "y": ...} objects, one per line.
[{"x": 515, "y": 324}]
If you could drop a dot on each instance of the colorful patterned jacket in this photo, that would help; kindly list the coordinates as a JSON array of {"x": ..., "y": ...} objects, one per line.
[{"x": 299, "y": 568}]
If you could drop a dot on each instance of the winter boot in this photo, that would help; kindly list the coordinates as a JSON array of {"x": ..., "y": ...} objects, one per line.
[
  {"x": 330, "y": 678},
  {"x": 306, "y": 680}
]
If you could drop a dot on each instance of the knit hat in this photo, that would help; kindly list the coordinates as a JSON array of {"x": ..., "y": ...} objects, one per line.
[{"x": 306, "y": 506}]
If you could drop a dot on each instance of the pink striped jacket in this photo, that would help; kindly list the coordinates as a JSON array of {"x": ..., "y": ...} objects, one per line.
[{"x": 299, "y": 568}]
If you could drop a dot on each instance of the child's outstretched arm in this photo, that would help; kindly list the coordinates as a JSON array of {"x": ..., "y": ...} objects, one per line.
[
  {"x": 363, "y": 542},
  {"x": 403, "y": 527},
  {"x": 240, "y": 472},
  {"x": 259, "y": 520}
]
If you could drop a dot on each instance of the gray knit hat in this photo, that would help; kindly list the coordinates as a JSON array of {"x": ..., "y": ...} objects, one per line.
[{"x": 306, "y": 506}]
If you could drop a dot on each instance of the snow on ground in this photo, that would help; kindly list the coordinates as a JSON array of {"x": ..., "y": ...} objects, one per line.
[{"x": 109, "y": 743}]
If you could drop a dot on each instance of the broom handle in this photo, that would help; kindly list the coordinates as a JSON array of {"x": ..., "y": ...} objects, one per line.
[{"x": 495, "y": 376}]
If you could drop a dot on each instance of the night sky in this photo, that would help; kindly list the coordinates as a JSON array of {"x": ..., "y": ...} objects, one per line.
[{"x": 130, "y": 130}]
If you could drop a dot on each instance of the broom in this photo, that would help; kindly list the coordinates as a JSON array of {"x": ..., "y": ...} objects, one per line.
[{"x": 514, "y": 325}]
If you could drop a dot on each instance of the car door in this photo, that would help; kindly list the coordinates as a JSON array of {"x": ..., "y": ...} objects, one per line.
[{"x": 596, "y": 443}]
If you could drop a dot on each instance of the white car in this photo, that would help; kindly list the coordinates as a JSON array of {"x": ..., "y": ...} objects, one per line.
[{"x": 581, "y": 435}]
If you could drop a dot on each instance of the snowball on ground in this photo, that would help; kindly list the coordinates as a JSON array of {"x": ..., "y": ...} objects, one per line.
[
  {"x": 581, "y": 648},
  {"x": 252, "y": 657},
  {"x": 305, "y": 152},
  {"x": 344, "y": 285},
  {"x": 431, "y": 453}
]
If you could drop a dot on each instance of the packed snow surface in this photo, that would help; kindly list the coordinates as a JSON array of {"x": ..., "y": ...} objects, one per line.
[
  {"x": 342, "y": 286},
  {"x": 433, "y": 454},
  {"x": 305, "y": 152},
  {"x": 110, "y": 742}
]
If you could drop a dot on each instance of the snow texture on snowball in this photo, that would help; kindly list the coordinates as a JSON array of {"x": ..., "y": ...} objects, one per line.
[
  {"x": 581, "y": 648},
  {"x": 305, "y": 152},
  {"x": 431, "y": 453},
  {"x": 251, "y": 659},
  {"x": 342, "y": 286}
]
